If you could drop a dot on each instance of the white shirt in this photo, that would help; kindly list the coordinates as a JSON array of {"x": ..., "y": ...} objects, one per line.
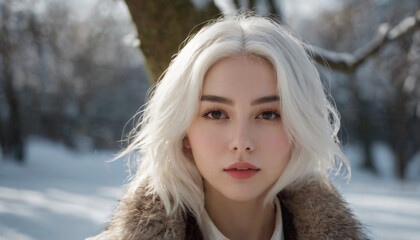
[{"x": 210, "y": 231}]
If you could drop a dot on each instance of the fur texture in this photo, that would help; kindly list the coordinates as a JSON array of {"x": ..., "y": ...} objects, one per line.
[
  {"x": 313, "y": 211},
  {"x": 317, "y": 211}
]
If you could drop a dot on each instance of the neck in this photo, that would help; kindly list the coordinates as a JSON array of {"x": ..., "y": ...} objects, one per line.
[{"x": 240, "y": 220}]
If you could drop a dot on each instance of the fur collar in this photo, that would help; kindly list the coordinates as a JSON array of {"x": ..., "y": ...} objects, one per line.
[{"x": 313, "y": 211}]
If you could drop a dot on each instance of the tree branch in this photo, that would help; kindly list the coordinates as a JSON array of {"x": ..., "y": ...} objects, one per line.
[{"x": 349, "y": 62}]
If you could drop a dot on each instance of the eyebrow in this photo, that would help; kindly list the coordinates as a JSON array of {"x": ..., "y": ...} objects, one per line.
[
  {"x": 213, "y": 98},
  {"x": 267, "y": 99}
]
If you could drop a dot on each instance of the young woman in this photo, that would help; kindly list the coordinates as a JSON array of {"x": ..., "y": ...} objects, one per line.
[{"x": 236, "y": 143}]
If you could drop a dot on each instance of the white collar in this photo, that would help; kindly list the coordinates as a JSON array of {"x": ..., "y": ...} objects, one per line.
[{"x": 210, "y": 231}]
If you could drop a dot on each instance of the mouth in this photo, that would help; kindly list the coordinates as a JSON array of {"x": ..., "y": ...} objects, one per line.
[{"x": 241, "y": 170}]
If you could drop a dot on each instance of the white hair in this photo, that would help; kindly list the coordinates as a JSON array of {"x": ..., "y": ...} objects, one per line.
[{"x": 311, "y": 122}]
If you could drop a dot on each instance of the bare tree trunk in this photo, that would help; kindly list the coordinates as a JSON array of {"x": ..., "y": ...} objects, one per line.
[
  {"x": 2, "y": 136},
  {"x": 251, "y": 4},
  {"x": 13, "y": 142},
  {"x": 237, "y": 4},
  {"x": 162, "y": 32},
  {"x": 274, "y": 9},
  {"x": 364, "y": 125},
  {"x": 400, "y": 137},
  {"x": 365, "y": 128},
  {"x": 399, "y": 113}
]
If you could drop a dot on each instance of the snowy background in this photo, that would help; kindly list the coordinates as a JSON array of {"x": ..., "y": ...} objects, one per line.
[{"x": 62, "y": 194}]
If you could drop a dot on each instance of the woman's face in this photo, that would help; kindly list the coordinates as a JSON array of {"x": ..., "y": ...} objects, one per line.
[{"x": 237, "y": 140}]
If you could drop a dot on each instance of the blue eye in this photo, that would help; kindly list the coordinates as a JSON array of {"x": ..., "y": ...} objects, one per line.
[
  {"x": 268, "y": 115},
  {"x": 215, "y": 114}
]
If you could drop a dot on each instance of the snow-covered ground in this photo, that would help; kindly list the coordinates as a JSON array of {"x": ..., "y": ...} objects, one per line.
[{"x": 59, "y": 194}]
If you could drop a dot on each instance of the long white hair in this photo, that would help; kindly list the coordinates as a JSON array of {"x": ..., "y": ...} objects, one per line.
[{"x": 310, "y": 120}]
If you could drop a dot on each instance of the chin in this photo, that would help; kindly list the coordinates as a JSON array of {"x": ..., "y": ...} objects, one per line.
[{"x": 238, "y": 195}]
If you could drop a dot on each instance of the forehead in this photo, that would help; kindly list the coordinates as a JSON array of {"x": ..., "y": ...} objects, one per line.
[{"x": 241, "y": 75}]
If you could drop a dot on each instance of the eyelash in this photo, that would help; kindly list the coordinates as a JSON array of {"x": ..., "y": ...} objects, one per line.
[
  {"x": 206, "y": 115},
  {"x": 272, "y": 111},
  {"x": 212, "y": 111}
]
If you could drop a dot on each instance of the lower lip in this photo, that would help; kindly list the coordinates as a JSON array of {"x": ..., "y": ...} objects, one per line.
[{"x": 241, "y": 174}]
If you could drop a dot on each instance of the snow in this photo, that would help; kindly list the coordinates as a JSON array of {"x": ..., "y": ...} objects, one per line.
[
  {"x": 62, "y": 194},
  {"x": 388, "y": 208},
  {"x": 58, "y": 193}
]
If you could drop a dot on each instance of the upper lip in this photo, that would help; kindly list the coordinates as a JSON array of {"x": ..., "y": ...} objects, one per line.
[{"x": 241, "y": 165}]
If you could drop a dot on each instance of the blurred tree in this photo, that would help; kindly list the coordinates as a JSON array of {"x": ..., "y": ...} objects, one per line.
[
  {"x": 92, "y": 83},
  {"x": 343, "y": 31},
  {"x": 14, "y": 25},
  {"x": 164, "y": 25},
  {"x": 380, "y": 110},
  {"x": 402, "y": 104},
  {"x": 65, "y": 78}
]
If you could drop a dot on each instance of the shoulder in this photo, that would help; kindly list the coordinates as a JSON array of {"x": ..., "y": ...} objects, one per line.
[
  {"x": 318, "y": 211},
  {"x": 140, "y": 215}
]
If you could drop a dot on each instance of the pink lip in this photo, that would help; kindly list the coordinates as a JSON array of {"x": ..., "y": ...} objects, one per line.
[{"x": 241, "y": 170}]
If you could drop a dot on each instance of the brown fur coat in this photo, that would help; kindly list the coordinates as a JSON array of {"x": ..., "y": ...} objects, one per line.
[{"x": 313, "y": 211}]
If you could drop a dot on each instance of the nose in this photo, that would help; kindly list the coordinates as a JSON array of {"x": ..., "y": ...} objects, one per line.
[{"x": 242, "y": 138}]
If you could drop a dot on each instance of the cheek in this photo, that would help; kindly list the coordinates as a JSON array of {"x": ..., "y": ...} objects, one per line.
[
  {"x": 276, "y": 141},
  {"x": 205, "y": 141}
]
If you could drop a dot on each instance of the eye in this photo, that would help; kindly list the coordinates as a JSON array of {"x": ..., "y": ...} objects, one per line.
[
  {"x": 268, "y": 115},
  {"x": 215, "y": 114}
]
